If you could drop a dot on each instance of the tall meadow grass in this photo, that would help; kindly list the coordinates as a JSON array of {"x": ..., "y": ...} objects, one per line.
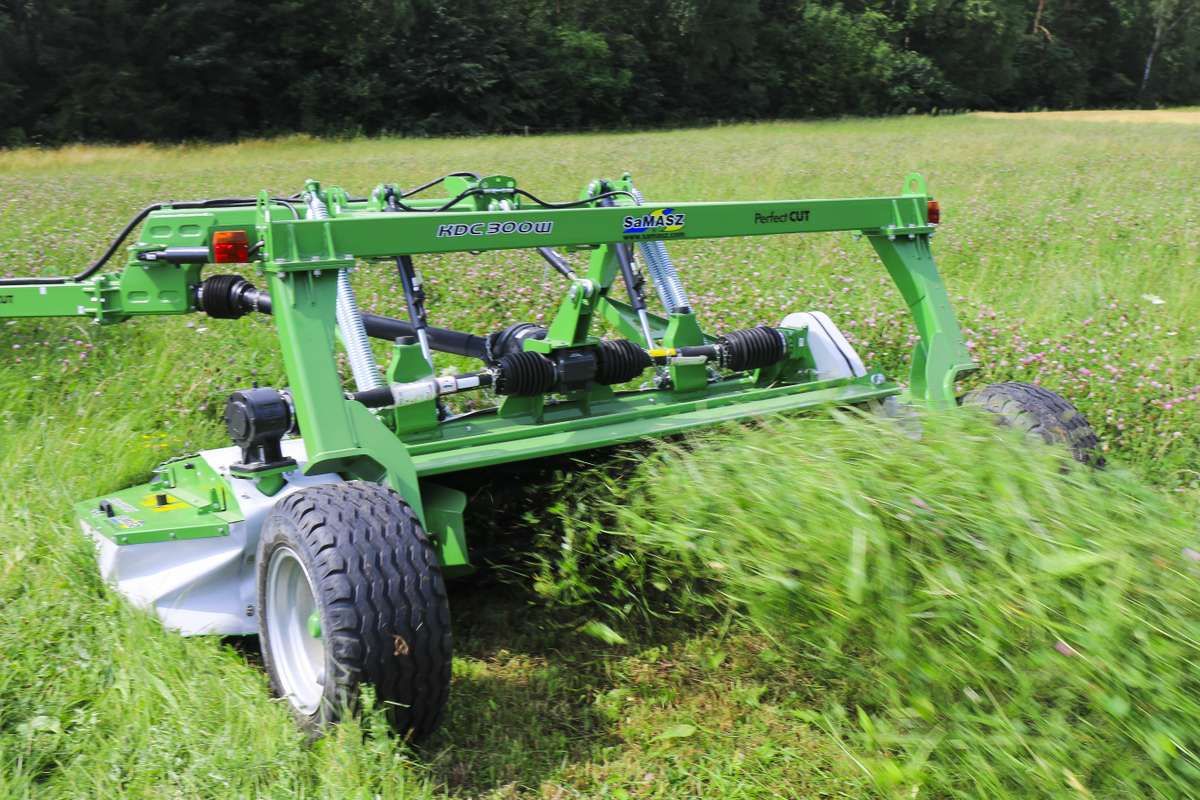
[{"x": 983, "y": 618}]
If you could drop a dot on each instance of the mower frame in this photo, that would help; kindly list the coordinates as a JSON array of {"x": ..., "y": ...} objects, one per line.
[{"x": 405, "y": 446}]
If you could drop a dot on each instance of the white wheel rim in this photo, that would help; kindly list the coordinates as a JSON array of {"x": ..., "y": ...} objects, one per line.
[{"x": 297, "y": 655}]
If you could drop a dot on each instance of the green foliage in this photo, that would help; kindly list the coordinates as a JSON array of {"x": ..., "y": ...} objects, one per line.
[
  {"x": 979, "y": 618},
  {"x": 220, "y": 70}
]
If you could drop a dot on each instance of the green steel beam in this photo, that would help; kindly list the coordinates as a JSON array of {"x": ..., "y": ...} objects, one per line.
[
  {"x": 370, "y": 235},
  {"x": 340, "y": 435},
  {"x": 141, "y": 289},
  {"x": 940, "y": 355},
  {"x": 625, "y": 419}
]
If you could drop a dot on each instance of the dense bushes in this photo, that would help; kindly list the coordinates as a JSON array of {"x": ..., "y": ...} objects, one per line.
[{"x": 218, "y": 69}]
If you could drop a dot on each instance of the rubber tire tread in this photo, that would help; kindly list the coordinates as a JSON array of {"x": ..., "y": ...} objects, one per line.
[
  {"x": 1040, "y": 412},
  {"x": 385, "y": 615}
]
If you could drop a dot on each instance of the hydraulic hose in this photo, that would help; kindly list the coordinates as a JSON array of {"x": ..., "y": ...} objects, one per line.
[
  {"x": 662, "y": 271},
  {"x": 96, "y": 265}
]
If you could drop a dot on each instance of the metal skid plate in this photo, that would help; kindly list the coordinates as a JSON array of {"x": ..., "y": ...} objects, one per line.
[{"x": 195, "y": 585}]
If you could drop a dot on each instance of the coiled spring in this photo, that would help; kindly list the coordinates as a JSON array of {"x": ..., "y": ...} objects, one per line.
[
  {"x": 662, "y": 270},
  {"x": 349, "y": 318}
]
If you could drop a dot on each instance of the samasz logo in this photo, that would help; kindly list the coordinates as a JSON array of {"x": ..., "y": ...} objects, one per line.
[{"x": 660, "y": 223}]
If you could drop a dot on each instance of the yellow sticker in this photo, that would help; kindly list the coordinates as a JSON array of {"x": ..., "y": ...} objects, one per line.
[{"x": 173, "y": 503}]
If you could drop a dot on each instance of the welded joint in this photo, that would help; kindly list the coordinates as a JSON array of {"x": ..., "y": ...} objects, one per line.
[{"x": 582, "y": 289}]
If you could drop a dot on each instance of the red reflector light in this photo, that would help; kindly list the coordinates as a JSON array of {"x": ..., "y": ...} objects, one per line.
[
  {"x": 933, "y": 212},
  {"x": 230, "y": 247}
]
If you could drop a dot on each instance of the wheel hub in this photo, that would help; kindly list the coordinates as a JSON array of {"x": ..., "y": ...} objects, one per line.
[{"x": 294, "y": 629}]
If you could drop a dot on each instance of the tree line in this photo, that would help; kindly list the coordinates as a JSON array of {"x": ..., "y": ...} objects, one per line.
[{"x": 126, "y": 70}]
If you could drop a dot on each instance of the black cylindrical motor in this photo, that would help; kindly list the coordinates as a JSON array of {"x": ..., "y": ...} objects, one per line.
[{"x": 257, "y": 420}]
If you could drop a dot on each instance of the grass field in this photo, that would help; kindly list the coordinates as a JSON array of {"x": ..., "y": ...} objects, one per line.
[
  {"x": 1063, "y": 667},
  {"x": 1175, "y": 116}
]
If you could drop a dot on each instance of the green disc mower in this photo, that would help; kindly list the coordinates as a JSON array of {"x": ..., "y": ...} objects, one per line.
[{"x": 330, "y": 525}]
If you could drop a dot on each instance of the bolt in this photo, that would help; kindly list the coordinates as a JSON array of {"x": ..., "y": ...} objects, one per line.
[
  {"x": 878, "y": 379},
  {"x": 249, "y": 611}
]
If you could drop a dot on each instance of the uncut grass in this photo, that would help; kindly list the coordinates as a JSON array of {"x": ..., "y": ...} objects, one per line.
[
  {"x": 976, "y": 618},
  {"x": 95, "y": 698}
]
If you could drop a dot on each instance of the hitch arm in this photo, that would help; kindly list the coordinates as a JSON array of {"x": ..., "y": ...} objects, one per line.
[{"x": 140, "y": 289}]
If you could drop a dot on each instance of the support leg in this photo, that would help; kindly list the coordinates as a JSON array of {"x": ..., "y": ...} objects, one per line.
[
  {"x": 340, "y": 435},
  {"x": 940, "y": 355}
]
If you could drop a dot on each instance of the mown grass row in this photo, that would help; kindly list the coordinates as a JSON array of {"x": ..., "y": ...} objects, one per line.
[{"x": 978, "y": 617}]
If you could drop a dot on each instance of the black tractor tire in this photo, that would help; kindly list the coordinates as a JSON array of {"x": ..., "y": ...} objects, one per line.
[
  {"x": 378, "y": 592},
  {"x": 1041, "y": 413}
]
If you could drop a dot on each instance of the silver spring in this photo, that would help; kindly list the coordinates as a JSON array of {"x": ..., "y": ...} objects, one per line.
[
  {"x": 316, "y": 207},
  {"x": 662, "y": 269},
  {"x": 354, "y": 336},
  {"x": 349, "y": 318}
]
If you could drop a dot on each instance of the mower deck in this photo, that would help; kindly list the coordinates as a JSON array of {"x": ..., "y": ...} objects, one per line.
[{"x": 326, "y": 528}]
